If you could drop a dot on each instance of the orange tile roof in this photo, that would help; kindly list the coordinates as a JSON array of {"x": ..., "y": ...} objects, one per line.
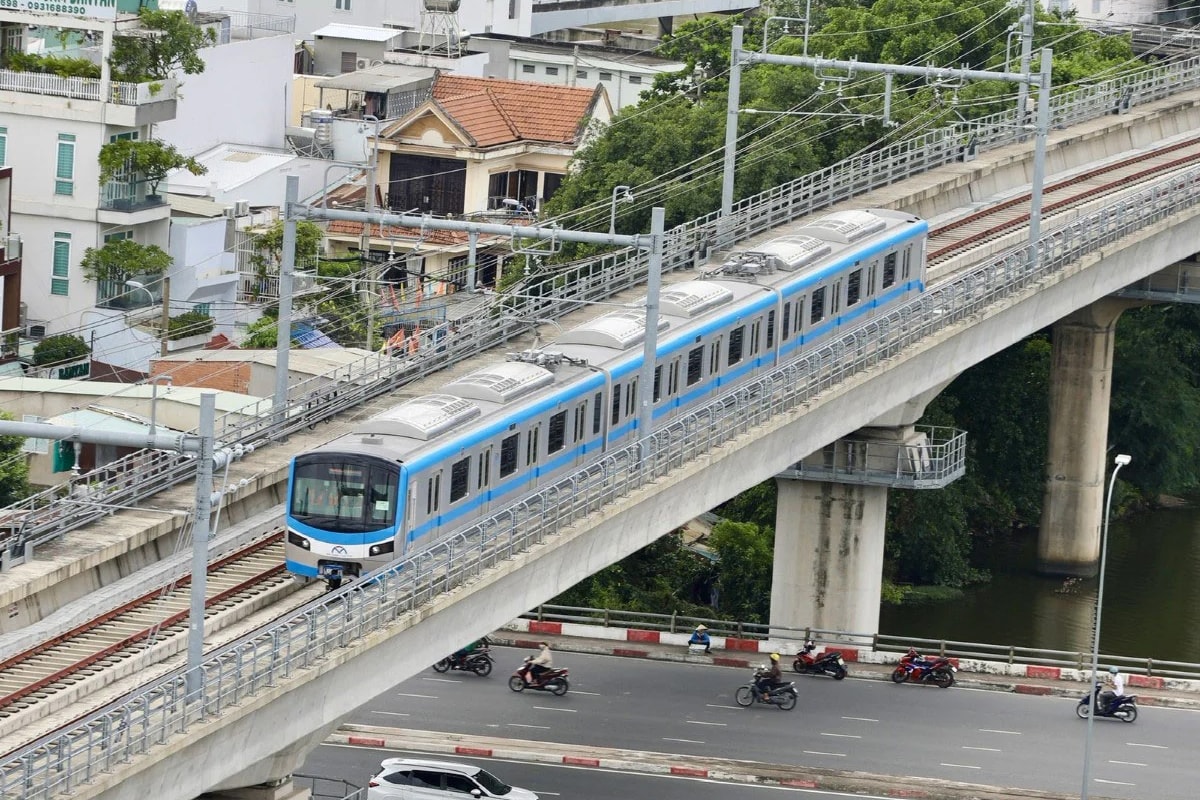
[
  {"x": 439, "y": 237},
  {"x": 492, "y": 111}
]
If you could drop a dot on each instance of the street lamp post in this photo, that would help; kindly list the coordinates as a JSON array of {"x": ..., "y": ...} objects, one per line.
[
  {"x": 1120, "y": 461},
  {"x": 627, "y": 197}
]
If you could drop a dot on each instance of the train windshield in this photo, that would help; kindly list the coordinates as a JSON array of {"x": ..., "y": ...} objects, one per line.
[{"x": 344, "y": 494}]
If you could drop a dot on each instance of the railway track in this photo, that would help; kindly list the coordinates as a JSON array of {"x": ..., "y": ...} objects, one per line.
[
  {"x": 1010, "y": 216},
  {"x": 43, "y": 679}
]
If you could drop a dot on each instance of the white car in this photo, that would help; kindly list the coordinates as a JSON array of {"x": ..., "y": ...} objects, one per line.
[{"x": 419, "y": 779}]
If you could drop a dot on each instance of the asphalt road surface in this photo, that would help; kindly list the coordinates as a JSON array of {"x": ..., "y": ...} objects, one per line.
[
  {"x": 550, "y": 782},
  {"x": 958, "y": 734}
]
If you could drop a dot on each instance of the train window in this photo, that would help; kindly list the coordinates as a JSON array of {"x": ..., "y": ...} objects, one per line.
[
  {"x": 889, "y": 270},
  {"x": 485, "y": 468},
  {"x": 798, "y": 319},
  {"x": 817, "y": 309},
  {"x": 597, "y": 407},
  {"x": 754, "y": 336},
  {"x": 835, "y": 298},
  {"x": 631, "y": 390},
  {"x": 853, "y": 288},
  {"x": 714, "y": 357},
  {"x": 869, "y": 289},
  {"x": 346, "y": 496},
  {"x": 905, "y": 267},
  {"x": 737, "y": 338},
  {"x": 556, "y": 432},
  {"x": 508, "y": 455},
  {"x": 770, "y": 330},
  {"x": 460, "y": 473},
  {"x": 657, "y": 384},
  {"x": 785, "y": 328},
  {"x": 616, "y": 404},
  {"x": 580, "y": 421},
  {"x": 433, "y": 495},
  {"x": 695, "y": 365},
  {"x": 531, "y": 447},
  {"x": 673, "y": 379},
  {"x": 383, "y": 488}
]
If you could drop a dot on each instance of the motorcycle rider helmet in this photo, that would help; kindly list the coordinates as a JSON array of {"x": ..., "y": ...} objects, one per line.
[
  {"x": 774, "y": 656},
  {"x": 1113, "y": 670},
  {"x": 810, "y": 645}
]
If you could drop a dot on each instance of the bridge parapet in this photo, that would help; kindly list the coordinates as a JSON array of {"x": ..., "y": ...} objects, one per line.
[{"x": 920, "y": 457}]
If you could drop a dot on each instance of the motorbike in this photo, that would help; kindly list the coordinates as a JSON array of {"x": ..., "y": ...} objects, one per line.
[
  {"x": 783, "y": 695},
  {"x": 478, "y": 661},
  {"x": 828, "y": 663},
  {"x": 1123, "y": 707},
  {"x": 552, "y": 680},
  {"x": 918, "y": 669}
]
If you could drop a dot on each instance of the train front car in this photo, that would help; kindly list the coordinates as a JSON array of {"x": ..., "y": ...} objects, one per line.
[{"x": 343, "y": 511}]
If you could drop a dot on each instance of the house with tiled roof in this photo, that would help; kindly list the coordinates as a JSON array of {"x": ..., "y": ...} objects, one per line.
[{"x": 478, "y": 147}]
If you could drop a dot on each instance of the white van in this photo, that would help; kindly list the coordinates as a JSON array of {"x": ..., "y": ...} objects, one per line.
[{"x": 418, "y": 779}]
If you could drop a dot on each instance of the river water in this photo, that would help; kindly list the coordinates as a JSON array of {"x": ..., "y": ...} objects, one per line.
[{"x": 1151, "y": 596}]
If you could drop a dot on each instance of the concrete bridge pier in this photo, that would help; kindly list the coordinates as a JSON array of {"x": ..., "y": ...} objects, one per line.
[
  {"x": 1080, "y": 387},
  {"x": 828, "y": 566},
  {"x": 271, "y": 778}
]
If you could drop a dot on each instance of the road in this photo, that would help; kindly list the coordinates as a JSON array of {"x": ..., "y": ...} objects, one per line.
[
  {"x": 958, "y": 734},
  {"x": 549, "y": 781}
]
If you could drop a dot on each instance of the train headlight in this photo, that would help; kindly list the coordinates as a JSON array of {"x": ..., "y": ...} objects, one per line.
[
  {"x": 298, "y": 540},
  {"x": 381, "y": 548}
]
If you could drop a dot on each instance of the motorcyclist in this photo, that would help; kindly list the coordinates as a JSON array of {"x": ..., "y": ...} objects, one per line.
[
  {"x": 460, "y": 656},
  {"x": 539, "y": 664},
  {"x": 1108, "y": 696},
  {"x": 700, "y": 637},
  {"x": 769, "y": 678}
]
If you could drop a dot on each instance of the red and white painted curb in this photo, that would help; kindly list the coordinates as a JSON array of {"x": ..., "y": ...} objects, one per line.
[{"x": 736, "y": 651}]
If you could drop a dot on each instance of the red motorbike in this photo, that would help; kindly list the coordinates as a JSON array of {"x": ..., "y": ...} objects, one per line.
[
  {"x": 828, "y": 663},
  {"x": 552, "y": 680},
  {"x": 916, "y": 668}
]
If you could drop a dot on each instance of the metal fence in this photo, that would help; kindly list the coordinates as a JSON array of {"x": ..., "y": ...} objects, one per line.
[
  {"x": 264, "y": 659},
  {"x": 879, "y": 642},
  {"x": 53, "y": 512}
]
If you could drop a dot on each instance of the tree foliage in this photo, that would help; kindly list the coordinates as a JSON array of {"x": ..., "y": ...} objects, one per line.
[
  {"x": 14, "y": 470},
  {"x": 166, "y": 43},
  {"x": 151, "y": 158},
  {"x": 745, "y": 551},
  {"x": 119, "y": 259},
  {"x": 59, "y": 349},
  {"x": 268, "y": 245}
]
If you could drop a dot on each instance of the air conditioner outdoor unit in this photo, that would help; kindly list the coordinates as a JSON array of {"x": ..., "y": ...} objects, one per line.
[
  {"x": 230, "y": 212},
  {"x": 36, "y": 332},
  {"x": 241, "y": 208},
  {"x": 362, "y": 63},
  {"x": 12, "y": 247}
]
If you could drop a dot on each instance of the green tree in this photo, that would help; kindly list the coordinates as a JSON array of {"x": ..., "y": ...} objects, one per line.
[
  {"x": 59, "y": 349},
  {"x": 166, "y": 43},
  {"x": 14, "y": 470},
  {"x": 262, "y": 333},
  {"x": 661, "y": 578},
  {"x": 119, "y": 259},
  {"x": 152, "y": 159},
  {"x": 744, "y": 569}
]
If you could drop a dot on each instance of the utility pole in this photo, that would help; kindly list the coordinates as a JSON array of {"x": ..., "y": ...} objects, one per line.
[
  {"x": 365, "y": 244},
  {"x": 1026, "y": 59},
  {"x": 204, "y": 489},
  {"x": 287, "y": 268},
  {"x": 165, "y": 322},
  {"x": 731, "y": 122},
  {"x": 650, "y": 343}
]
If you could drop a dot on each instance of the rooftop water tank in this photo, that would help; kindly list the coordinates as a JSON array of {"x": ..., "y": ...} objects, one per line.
[{"x": 442, "y": 6}]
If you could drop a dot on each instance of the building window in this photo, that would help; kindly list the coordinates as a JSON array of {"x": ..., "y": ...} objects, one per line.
[
  {"x": 3, "y": 145},
  {"x": 527, "y": 69},
  {"x": 635, "y": 78},
  {"x": 131, "y": 136},
  {"x": 581, "y": 74},
  {"x": 551, "y": 70},
  {"x": 60, "y": 274},
  {"x": 203, "y": 308},
  {"x": 606, "y": 76},
  {"x": 341, "y": 5},
  {"x": 64, "y": 183}
]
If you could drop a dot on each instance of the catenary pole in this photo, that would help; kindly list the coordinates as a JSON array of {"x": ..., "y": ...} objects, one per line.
[
  {"x": 287, "y": 268},
  {"x": 200, "y": 535},
  {"x": 650, "y": 342}
]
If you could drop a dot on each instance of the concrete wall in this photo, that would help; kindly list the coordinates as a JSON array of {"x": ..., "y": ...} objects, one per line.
[{"x": 222, "y": 105}]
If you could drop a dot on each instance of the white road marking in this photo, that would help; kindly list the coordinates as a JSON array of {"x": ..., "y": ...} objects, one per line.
[
  {"x": 1114, "y": 783},
  {"x": 861, "y": 719},
  {"x": 961, "y": 766},
  {"x": 986, "y": 749},
  {"x": 548, "y": 708},
  {"x": 842, "y": 735},
  {"x": 1155, "y": 746},
  {"x": 391, "y": 713},
  {"x": 1128, "y": 763},
  {"x": 993, "y": 730},
  {"x": 819, "y": 753},
  {"x": 698, "y": 722},
  {"x": 522, "y": 725},
  {"x": 592, "y": 694},
  {"x": 688, "y": 741},
  {"x": 418, "y": 696},
  {"x": 713, "y": 705},
  {"x": 441, "y": 680}
]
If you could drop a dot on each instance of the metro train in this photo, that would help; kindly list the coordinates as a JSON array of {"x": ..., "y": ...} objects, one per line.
[{"x": 415, "y": 473}]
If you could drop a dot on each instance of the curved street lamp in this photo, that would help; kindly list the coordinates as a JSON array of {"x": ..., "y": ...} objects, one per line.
[
  {"x": 1120, "y": 461},
  {"x": 627, "y": 197}
]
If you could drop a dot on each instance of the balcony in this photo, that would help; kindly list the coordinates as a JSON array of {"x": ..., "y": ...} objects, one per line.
[
  {"x": 129, "y": 105},
  {"x": 10, "y": 248}
]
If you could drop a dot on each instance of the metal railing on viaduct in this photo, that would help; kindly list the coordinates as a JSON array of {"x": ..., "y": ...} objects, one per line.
[
  {"x": 260, "y": 662},
  {"x": 127, "y": 481}
]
